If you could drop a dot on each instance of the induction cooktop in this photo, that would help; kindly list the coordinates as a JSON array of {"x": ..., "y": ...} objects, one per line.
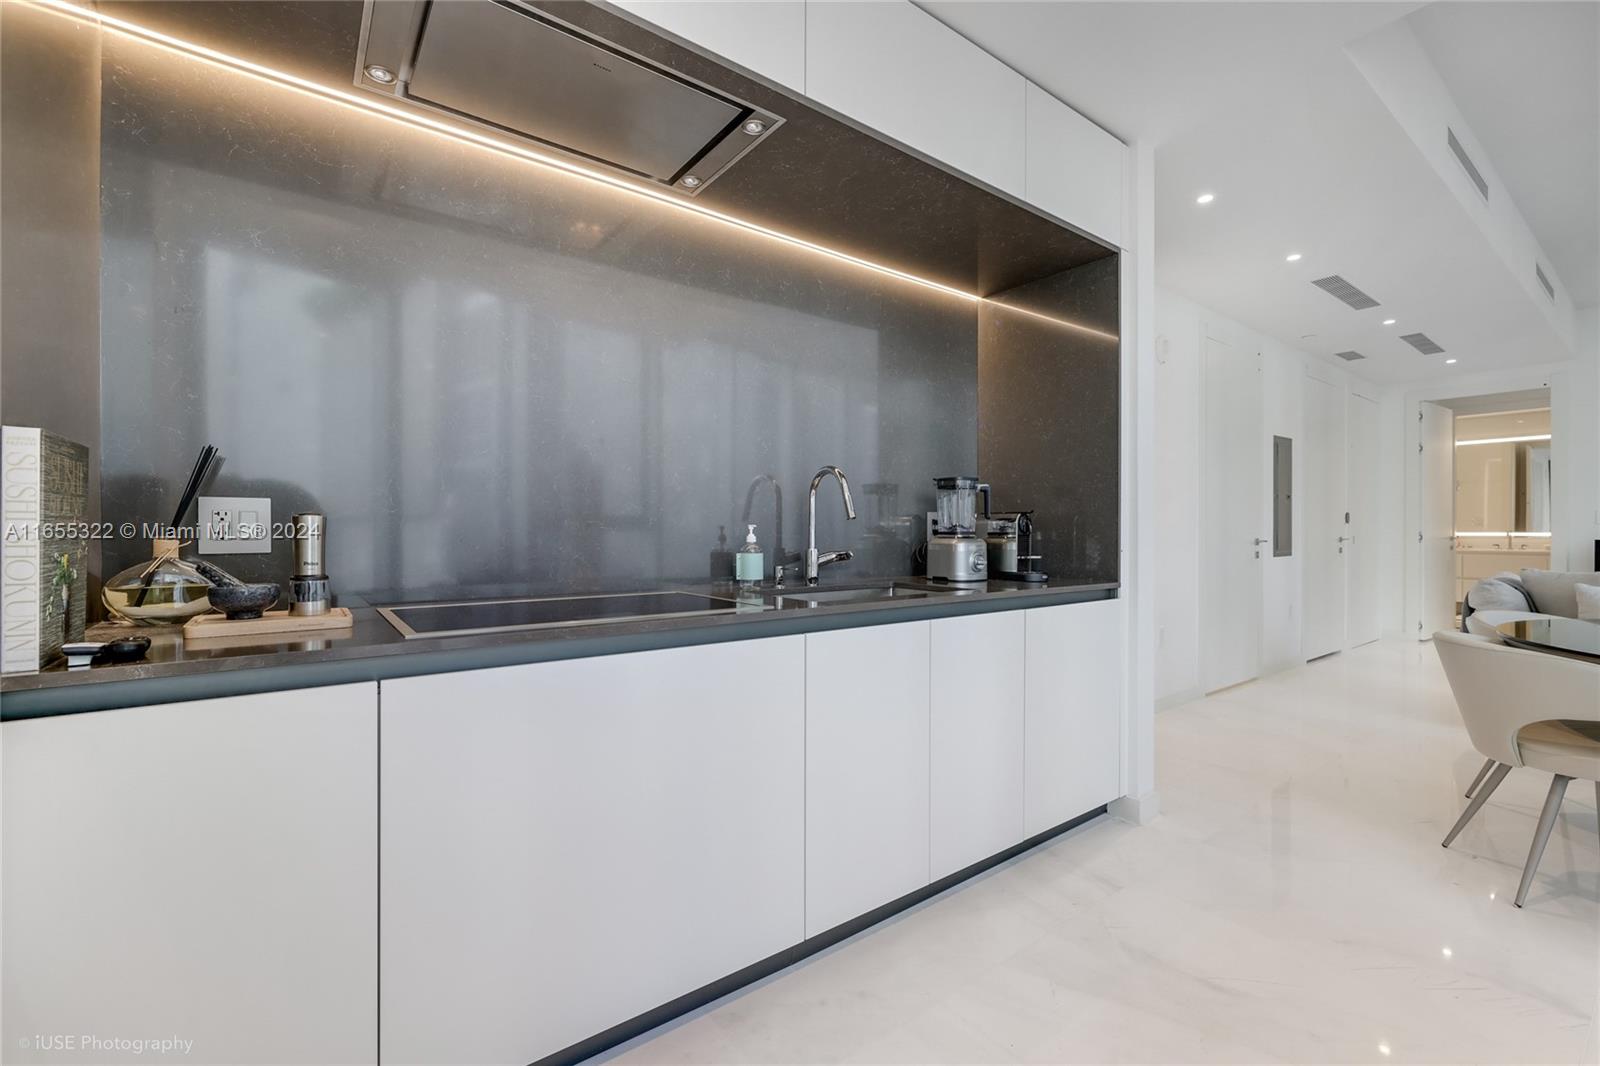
[{"x": 494, "y": 616}]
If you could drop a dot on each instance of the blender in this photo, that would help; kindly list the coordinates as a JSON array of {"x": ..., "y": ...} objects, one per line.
[{"x": 955, "y": 551}]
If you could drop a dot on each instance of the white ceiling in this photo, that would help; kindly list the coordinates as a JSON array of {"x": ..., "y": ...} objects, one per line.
[
  {"x": 1526, "y": 77},
  {"x": 1260, "y": 103}
]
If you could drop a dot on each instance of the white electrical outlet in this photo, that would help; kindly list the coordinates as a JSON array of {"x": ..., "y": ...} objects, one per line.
[{"x": 235, "y": 525}]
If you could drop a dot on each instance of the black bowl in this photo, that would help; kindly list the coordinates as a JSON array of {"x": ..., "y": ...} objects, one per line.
[{"x": 243, "y": 601}]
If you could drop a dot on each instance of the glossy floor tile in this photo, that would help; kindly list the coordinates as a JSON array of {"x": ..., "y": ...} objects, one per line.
[{"x": 1291, "y": 904}]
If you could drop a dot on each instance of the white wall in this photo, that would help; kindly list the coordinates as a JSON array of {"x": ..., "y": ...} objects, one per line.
[
  {"x": 1177, "y": 495},
  {"x": 1140, "y": 486},
  {"x": 1181, "y": 325},
  {"x": 1577, "y": 411}
]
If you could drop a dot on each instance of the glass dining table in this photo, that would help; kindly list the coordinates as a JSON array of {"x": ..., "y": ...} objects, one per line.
[{"x": 1574, "y": 637}]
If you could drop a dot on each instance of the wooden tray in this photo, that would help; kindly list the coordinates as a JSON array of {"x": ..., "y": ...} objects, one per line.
[{"x": 216, "y": 625}]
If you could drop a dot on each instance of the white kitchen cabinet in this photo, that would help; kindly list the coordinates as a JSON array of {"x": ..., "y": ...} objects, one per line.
[
  {"x": 764, "y": 36},
  {"x": 568, "y": 844},
  {"x": 1072, "y": 703},
  {"x": 866, "y": 748},
  {"x": 201, "y": 870},
  {"x": 1075, "y": 168},
  {"x": 893, "y": 67},
  {"x": 976, "y": 739}
]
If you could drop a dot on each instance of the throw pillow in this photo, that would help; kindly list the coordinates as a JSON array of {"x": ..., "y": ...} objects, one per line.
[
  {"x": 1554, "y": 592},
  {"x": 1588, "y": 601},
  {"x": 1495, "y": 594}
]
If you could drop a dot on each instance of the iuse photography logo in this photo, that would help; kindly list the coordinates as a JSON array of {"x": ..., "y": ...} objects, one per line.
[{"x": 93, "y": 1042}]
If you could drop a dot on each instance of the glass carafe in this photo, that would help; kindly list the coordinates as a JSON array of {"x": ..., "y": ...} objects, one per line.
[
  {"x": 958, "y": 504},
  {"x": 164, "y": 590}
]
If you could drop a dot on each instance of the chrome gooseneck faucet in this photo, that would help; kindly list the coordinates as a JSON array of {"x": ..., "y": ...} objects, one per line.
[
  {"x": 815, "y": 561},
  {"x": 781, "y": 557}
]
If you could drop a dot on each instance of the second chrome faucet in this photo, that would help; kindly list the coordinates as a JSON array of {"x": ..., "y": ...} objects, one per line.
[{"x": 815, "y": 560}]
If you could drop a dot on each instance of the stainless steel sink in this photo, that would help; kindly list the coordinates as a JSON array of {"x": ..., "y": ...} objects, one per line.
[{"x": 825, "y": 597}]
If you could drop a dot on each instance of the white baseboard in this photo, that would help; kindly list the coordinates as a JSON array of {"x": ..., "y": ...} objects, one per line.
[
  {"x": 1178, "y": 699},
  {"x": 1139, "y": 810}
]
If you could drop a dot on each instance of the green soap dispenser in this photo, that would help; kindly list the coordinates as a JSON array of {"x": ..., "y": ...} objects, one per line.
[{"x": 749, "y": 564}]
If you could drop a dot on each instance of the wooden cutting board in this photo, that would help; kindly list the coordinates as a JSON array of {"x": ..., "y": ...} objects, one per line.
[{"x": 216, "y": 625}]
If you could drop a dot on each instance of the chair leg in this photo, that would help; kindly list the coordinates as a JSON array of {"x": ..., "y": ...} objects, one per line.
[
  {"x": 1495, "y": 777},
  {"x": 1541, "y": 835},
  {"x": 1483, "y": 772}
]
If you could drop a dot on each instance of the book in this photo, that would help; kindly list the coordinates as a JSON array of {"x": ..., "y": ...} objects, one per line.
[{"x": 44, "y": 546}]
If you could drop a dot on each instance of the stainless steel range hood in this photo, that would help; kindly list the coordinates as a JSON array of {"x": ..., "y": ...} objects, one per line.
[{"x": 518, "y": 70}]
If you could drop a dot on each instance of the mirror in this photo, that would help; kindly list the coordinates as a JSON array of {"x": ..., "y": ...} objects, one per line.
[
  {"x": 1503, "y": 487},
  {"x": 1533, "y": 488}
]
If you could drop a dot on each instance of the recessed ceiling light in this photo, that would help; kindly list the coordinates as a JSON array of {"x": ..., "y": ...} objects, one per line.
[
  {"x": 1388, "y": 321},
  {"x": 1447, "y": 362},
  {"x": 1292, "y": 257},
  {"x": 381, "y": 75},
  {"x": 1205, "y": 198}
]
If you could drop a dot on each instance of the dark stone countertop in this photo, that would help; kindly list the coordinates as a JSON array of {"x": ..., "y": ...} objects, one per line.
[{"x": 373, "y": 650}]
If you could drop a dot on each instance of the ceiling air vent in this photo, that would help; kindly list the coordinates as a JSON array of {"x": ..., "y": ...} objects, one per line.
[
  {"x": 1466, "y": 163},
  {"x": 1348, "y": 357},
  {"x": 1544, "y": 282},
  {"x": 1422, "y": 343},
  {"x": 1341, "y": 289}
]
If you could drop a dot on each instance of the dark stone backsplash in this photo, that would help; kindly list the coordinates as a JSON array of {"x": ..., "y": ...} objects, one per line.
[{"x": 492, "y": 377}]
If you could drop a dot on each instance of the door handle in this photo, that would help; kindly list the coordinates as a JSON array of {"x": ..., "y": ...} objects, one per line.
[{"x": 1260, "y": 541}]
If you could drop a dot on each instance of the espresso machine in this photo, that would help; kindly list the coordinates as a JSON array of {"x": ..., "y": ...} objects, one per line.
[
  {"x": 1009, "y": 538},
  {"x": 955, "y": 551}
]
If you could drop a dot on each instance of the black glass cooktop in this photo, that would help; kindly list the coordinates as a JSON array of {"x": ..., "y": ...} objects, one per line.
[{"x": 484, "y": 616}]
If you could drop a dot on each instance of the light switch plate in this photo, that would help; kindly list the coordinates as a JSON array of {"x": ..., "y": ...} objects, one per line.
[{"x": 235, "y": 525}]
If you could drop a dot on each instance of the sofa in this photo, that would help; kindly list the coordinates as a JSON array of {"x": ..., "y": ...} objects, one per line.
[{"x": 1526, "y": 594}]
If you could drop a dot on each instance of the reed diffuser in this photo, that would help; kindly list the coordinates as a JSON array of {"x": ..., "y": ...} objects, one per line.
[{"x": 165, "y": 590}]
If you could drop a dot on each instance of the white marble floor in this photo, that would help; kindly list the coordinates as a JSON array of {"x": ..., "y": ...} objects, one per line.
[{"x": 1291, "y": 904}]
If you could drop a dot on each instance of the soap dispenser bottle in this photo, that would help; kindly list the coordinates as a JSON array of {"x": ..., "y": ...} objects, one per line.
[{"x": 749, "y": 562}]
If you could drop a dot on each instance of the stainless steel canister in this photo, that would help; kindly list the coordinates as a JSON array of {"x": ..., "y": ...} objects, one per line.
[
  {"x": 308, "y": 583},
  {"x": 308, "y": 555}
]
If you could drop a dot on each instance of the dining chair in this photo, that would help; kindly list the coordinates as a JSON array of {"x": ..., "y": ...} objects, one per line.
[
  {"x": 1524, "y": 708},
  {"x": 1487, "y": 624}
]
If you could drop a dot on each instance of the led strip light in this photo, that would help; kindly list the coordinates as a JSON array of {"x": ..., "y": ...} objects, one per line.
[
  {"x": 376, "y": 106},
  {"x": 1503, "y": 440},
  {"x": 1468, "y": 533}
]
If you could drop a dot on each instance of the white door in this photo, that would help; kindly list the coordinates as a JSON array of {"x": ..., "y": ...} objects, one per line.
[
  {"x": 1323, "y": 505},
  {"x": 1436, "y": 461},
  {"x": 1232, "y": 538},
  {"x": 1361, "y": 547}
]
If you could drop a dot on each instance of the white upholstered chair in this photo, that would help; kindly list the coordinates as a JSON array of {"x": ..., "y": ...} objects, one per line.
[
  {"x": 1524, "y": 708},
  {"x": 1486, "y": 624}
]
